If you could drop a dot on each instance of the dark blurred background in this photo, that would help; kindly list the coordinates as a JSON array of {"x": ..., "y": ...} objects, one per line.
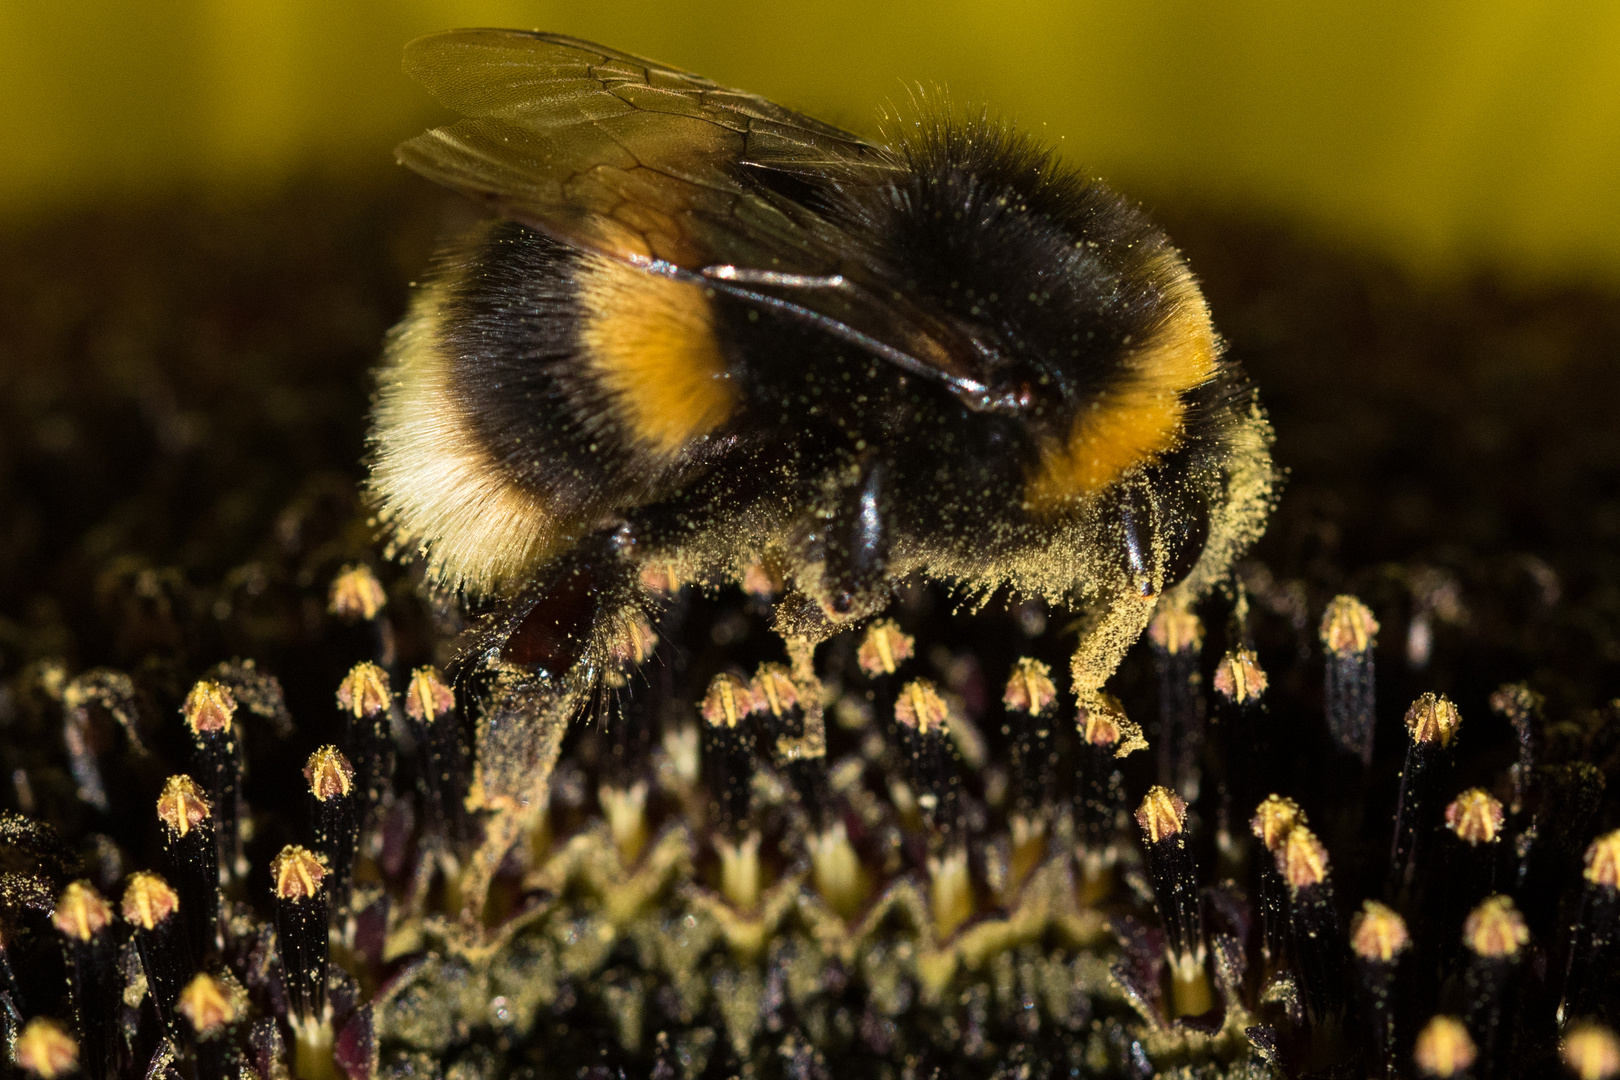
[{"x": 1444, "y": 135}]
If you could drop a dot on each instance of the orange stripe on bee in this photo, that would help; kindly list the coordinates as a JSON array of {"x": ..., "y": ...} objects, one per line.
[
  {"x": 1139, "y": 416},
  {"x": 649, "y": 340}
]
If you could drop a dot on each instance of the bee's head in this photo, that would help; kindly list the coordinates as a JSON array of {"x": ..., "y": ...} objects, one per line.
[{"x": 1097, "y": 382}]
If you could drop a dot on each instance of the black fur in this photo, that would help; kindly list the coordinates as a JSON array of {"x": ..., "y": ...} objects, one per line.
[{"x": 1053, "y": 274}]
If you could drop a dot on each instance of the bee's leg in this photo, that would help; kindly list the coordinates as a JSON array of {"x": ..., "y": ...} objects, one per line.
[
  {"x": 520, "y": 733},
  {"x": 856, "y": 543},
  {"x": 1128, "y": 607},
  {"x": 545, "y": 654},
  {"x": 1125, "y": 615},
  {"x": 550, "y": 626}
]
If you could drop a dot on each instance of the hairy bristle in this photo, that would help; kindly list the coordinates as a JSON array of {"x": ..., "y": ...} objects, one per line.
[
  {"x": 1378, "y": 933},
  {"x": 81, "y": 912}
]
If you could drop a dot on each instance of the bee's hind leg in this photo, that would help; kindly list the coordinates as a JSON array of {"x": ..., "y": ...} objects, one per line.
[
  {"x": 520, "y": 732},
  {"x": 1105, "y": 641},
  {"x": 543, "y": 659}
]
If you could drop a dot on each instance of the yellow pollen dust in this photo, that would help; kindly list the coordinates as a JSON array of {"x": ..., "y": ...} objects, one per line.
[
  {"x": 81, "y": 912},
  {"x": 182, "y": 806},
  {"x": 297, "y": 873},
  {"x": 148, "y": 900},
  {"x": 209, "y": 708},
  {"x": 1348, "y": 627},
  {"x": 1162, "y": 814},
  {"x": 1378, "y": 933},
  {"x": 364, "y": 691},
  {"x": 1433, "y": 719},
  {"x": 356, "y": 594}
]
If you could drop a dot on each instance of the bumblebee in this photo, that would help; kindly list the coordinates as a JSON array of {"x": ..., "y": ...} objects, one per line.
[{"x": 705, "y": 335}]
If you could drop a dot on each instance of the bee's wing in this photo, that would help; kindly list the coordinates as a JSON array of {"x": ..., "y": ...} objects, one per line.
[{"x": 618, "y": 155}]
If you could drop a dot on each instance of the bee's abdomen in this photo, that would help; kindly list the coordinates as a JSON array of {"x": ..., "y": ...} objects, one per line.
[{"x": 532, "y": 391}]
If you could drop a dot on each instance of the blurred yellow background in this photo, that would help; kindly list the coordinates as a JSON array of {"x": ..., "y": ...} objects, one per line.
[{"x": 1450, "y": 135}]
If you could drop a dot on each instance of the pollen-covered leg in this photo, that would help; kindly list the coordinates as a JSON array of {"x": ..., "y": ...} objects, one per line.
[
  {"x": 519, "y": 735},
  {"x": 1104, "y": 643}
]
